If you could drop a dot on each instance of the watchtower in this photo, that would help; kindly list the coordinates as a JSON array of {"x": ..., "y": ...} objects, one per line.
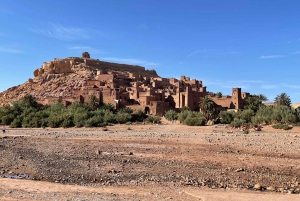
[{"x": 85, "y": 55}]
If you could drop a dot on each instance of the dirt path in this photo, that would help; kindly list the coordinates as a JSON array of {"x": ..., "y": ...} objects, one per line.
[
  {"x": 37, "y": 190},
  {"x": 149, "y": 162}
]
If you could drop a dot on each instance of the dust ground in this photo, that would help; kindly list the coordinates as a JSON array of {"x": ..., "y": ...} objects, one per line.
[{"x": 149, "y": 162}]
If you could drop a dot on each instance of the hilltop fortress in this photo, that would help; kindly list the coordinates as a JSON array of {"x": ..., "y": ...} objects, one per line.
[{"x": 78, "y": 78}]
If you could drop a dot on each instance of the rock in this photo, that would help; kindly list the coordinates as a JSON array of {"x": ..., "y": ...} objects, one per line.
[
  {"x": 257, "y": 187},
  {"x": 271, "y": 188},
  {"x": 281, "y": 189},
  {"x": 240, "y": 170},
  {"x": 98, "y": 152}
]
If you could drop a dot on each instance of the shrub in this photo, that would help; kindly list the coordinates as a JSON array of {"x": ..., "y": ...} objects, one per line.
[
  {"x": 246, "y": 131},
  {"x": 296, "y": 124},
  {"x": 194, "y": 121},
  {"x": 237, "y": 123},
  {"x": 226, "y": 117},
  {"x": 123, "y": 117},
  {"x": 109, "y": 117},
  {"x": 247, "y": 115},
  {"x": 184, "y": 108},
  {"x": 68, "y": 121},
  {"x": 183, "y": 115},
  {"x": 16, "y": 123},
  {"x": 153, "y": 119},
  {"x": 126, "y": 110},
  {"x": 171, "y": 115},
  {"x": 281, "y": 126},
  {"x": 80, "y": 118},
  {"x": 263, "y": 115},
  {"x": 55, "y": 121},
  {"x": 7, "y": 119},
  {"x": 139, "y": 116}
]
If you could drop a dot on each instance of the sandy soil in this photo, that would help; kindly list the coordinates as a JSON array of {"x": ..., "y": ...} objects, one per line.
[{"x": 150, "y": 162}]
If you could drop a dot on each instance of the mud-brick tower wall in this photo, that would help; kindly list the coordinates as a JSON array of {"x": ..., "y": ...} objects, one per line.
[{"x": 237, "y": 98}]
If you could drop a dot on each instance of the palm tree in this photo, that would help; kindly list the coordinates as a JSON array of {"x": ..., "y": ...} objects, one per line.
[
  {"x": 283, "y": 99},
  {"x": 254, "y": 102},
  {"x": 207, "y": 107}
]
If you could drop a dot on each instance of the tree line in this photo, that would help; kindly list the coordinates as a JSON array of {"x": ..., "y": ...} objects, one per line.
[
  {"x": 255, "y": 113},
  {"x": 28, "y": 113}
]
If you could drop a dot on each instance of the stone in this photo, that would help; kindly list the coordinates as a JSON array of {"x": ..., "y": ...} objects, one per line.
[
  {"x": 257, "y": 187},
  {"x": 271, "y": 188},
  {"x": 240, "y": 170},
  {"x": 98, "y": 152}
]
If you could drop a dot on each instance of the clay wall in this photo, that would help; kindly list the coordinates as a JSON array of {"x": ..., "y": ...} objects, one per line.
[
  {"x": 224, "y": 102},
  {"x": 94, "y": 82},
  {"x": 173, "y": 81},
  {"x": 135, "y": 108},
  {"x": 245, "y": 95},
  {"x": 184, "y": 78},
  {"x": 107, "y": 78},
  {"x": 109, "y": 95},
  {"x": 113, "y": 66},
  {"x": 158, "y": 108},
  {"x": 101, "y": 72}
]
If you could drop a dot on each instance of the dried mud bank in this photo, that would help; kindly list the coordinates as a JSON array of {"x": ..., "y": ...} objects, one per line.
[{"x": 165, "y": 157}]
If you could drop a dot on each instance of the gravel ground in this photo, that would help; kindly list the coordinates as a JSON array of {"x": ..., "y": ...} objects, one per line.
[{"x": 149, "y": 162}]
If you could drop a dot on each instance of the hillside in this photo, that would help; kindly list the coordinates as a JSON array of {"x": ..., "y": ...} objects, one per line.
[
  {"x": 60, "y": 77},
  {"x": 80, "y": 78}
]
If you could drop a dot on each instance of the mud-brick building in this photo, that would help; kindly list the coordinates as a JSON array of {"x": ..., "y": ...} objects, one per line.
[{"x": 133, "y": 86}]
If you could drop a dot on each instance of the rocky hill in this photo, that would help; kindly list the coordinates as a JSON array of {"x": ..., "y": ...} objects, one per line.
[{"x": 60, "y": 76}]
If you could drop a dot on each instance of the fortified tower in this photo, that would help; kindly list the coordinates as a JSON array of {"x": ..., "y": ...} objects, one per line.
[
  {"x": 237, "y": 98},
  {"x": 86, "y": 55}
]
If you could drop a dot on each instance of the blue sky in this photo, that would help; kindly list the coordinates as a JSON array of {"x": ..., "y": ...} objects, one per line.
[{"x": 252, "y": 44}]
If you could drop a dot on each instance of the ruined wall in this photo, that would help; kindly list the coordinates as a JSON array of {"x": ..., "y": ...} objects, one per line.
[{"x": 57, "y": 66}]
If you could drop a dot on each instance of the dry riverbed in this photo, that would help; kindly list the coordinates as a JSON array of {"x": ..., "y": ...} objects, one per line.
[{"x": 149, "y": 162}]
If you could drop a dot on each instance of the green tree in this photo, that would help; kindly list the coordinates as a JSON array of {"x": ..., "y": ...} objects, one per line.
[
  {"x": 226, "y": 117},
  {"x": 93, "y": 102},
  {"x": 263, "y": 115},
  {"x": 126, "y": 110},
  {"x": 207, "y": 108},
  {"x": 153, "y": 119},
  {"x": 194, "y": 119},
  {"x": 139, "y": 116},
  {"x": 254, "y": 102},
  {"x": 183, "y": 115},
  {"x": 123, "y": 117},
  {"x": 283, "y": 99},
  {"x": 219, "y": 94},
  {"x": 29, "y": 101}
]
